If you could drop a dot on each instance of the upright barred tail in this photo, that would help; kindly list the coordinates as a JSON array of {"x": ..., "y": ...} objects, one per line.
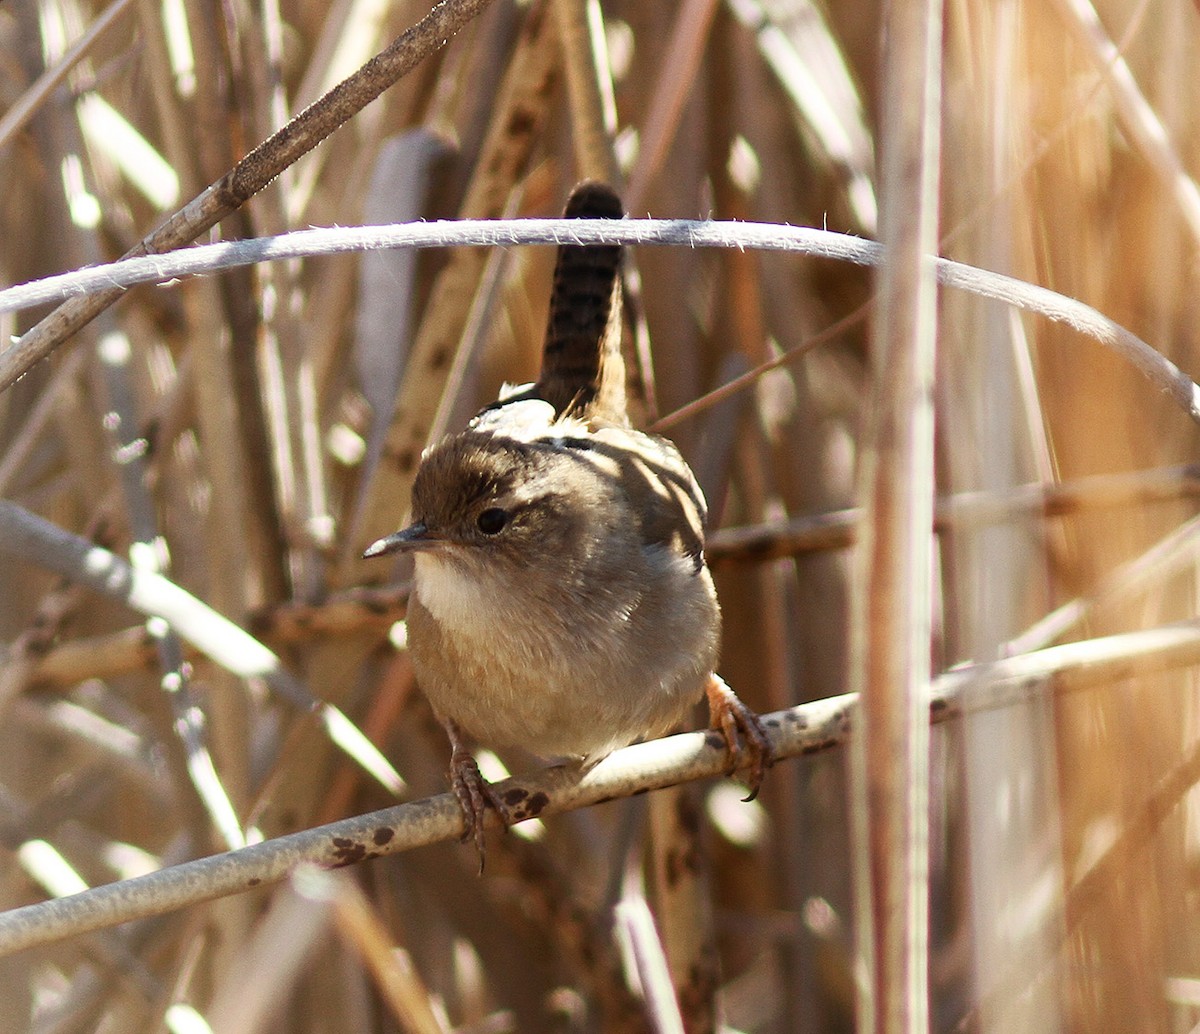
[{"x": 582, "y": 369}]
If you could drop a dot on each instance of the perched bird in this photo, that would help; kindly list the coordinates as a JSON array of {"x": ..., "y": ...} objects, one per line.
[{"x": 561, "y": 602}]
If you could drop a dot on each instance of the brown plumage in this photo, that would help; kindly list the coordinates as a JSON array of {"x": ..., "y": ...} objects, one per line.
[{"x": 561, "y": 601}]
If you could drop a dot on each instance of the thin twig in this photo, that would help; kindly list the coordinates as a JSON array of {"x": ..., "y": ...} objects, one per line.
[
  {"x": 25, "y": 108},
  {"x": 254, "y": 172},
  {"x": 1159, "y": 370}
]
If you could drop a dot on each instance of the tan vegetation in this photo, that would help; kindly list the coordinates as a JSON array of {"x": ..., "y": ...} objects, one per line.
[{"x": 243, "y": 435}]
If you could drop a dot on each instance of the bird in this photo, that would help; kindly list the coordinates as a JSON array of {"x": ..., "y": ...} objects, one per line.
[{"x": 561, "y": 601}]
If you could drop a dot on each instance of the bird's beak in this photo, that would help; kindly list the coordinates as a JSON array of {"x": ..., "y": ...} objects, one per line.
[{"x": 414, "y": 537}]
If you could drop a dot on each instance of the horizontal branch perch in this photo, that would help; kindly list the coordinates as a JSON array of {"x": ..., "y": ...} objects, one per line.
[
  {"x": 209, "y": 258},
  {"x": 806, "y": 729},
  {"x": 644, "y": 766}
]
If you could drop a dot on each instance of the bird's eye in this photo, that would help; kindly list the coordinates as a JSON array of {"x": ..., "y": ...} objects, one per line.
[{"x": 492, "y": 520}]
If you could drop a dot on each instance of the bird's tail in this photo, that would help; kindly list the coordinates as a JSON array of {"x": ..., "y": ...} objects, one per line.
[{"x": 582, "y": 369}]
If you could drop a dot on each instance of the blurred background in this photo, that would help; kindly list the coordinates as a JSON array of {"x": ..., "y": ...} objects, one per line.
[{"x": 251, "y": 432}]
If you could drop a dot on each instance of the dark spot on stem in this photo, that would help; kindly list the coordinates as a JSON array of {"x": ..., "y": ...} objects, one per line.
[
  {"x": 537, "y": 803},
  {"x": 347, "y": 852}
]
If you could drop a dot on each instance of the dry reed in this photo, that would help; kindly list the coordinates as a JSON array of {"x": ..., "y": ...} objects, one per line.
[{"x": 230, "y": 441}]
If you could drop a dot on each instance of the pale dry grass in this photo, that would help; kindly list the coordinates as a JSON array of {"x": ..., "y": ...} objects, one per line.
[{"x": 245, "y": 434}]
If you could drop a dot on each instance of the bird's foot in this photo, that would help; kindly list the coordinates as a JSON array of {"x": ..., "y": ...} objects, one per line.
[
  {"x": 746, "y": 741},
  {"x": 474, "y": 794}
]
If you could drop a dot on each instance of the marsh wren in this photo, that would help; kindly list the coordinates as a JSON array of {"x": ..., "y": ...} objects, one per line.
[{"x": 561, "y": 602}]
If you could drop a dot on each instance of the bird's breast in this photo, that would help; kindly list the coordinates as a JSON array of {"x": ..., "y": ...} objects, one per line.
[
  {"x": 455, "y": 599},
  {"x": 511, "y": 667}
]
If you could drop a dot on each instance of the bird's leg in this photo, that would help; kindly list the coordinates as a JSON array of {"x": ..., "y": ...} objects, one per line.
[
  {"x": 741, "y": 729},
  {"x": 474, "y": 793}
]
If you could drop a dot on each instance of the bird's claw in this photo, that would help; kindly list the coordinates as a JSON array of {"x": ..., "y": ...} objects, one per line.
[
  {"x": 746, "y": 741},
  {"x": 474, "y": 794}
]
